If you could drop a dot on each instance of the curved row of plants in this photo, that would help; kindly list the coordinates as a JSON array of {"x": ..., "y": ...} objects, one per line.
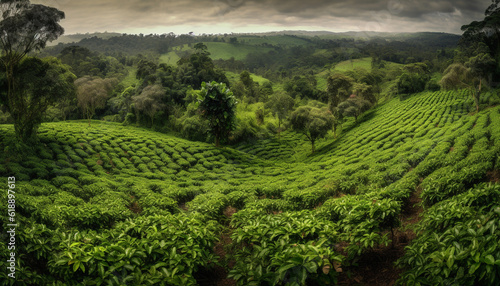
[{"x": 115, "y": 205}]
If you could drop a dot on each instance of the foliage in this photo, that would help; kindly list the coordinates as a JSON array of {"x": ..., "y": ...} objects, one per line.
[
  {"x": 458, "y": 241},
  {"x": 313, "y": 122},
  {"x": 281, "y": 104},
  {"x": 285, "y": 249},
  {"x": 150, "y": 101},
  {"x": 470, "y": 76},
  {"x": 25, "y": 27},
  {"x": 413, "y": 79},
  {"x": 353, "y": 107},
  {"x": 218, "y": 106},
  {"x": 339, "y": 88},
  {"x": 40, "y": 83},
  {"x": 92, "y": 94},
  {"x": 84, "y": 62},
  {"x": 302, "y": 86},
  {"x": 198, "y": 68},
  {"x": 485, "y": 31}
]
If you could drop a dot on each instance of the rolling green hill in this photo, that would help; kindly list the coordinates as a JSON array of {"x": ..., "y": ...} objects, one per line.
[
  {"x": 349, "y": 65},
  {"x": 116, "y": 204},
  {"x": 217, "y": 51},
  {"x": 226, "y": 51},
  {"x": 170, "y": 58},
  {"x": 275, "y": 40},
  {"x": 233, "y": 77}
]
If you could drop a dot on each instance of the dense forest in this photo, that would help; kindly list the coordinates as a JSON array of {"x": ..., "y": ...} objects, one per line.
[{"x": 291, "y": 158}]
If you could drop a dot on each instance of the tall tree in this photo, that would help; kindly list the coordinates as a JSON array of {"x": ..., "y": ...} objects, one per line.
[
  {"x": 339, "y": 88},
  {"x": 472, "y": 75},
  {"x": 365, "y": 91},
  {"x": 40, "y": 83},
  {"x": 24, "y": 27},
  {"x": 150, "y": 101},
  {"x": 218, "y": 105},
  {"x": 93, "y": 93},
  {"x": 354, "y": 107},
  {"x": 199, "y": 67},
  {"x": 413, "y": 79},
  {"x": 313, "y": 122},
  {"x": 281, "y": 104}
]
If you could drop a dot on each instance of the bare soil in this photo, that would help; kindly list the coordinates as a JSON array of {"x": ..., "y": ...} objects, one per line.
[{"x": 493, "y": 176}]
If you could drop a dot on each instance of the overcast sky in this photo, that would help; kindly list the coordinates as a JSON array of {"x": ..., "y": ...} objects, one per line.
[{"x": 226, "y": 16}]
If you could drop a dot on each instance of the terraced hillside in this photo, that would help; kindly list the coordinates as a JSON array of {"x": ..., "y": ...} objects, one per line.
[{"x": 119, "y": 205}]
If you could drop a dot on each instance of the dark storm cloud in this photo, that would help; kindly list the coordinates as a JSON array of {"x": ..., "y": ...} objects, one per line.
[
  {"x": 386, "y": 15},
  {"x": 353, "y": 8}
]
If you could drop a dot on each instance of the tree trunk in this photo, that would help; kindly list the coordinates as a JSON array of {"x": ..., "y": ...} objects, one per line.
[
  {"x": 217, "y": 141},
  {"x": 88, "y": 116},
  {"x": 313, "y": 147},
  {"x": 477, "y": 94}
]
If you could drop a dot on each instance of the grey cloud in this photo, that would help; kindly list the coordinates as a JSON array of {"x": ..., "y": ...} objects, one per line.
[
  {"x": 115, "y": 15},
  {"x": 406, "y": 8}
]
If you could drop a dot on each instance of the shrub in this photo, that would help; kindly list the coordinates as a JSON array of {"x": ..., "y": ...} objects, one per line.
[
  {"x": 286, "y": 248},
  {"x": 211, "y": 204},
  {"x": 61, "y": 180},
  {"x": 464, "y": 251},
  {"x": 239, "y": 199}
]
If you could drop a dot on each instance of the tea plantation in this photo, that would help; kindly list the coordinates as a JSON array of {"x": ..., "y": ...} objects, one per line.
[{"x": 119, "y": 205}]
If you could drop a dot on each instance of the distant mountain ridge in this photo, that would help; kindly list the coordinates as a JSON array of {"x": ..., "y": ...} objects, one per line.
[{"x": 75, "y": 38}]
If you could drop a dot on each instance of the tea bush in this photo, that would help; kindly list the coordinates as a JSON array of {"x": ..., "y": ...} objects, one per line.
[
  {"x": 118, "y": 205},
  {"x": 458, "y": 242},
  {"x": 289, "y": 249}
]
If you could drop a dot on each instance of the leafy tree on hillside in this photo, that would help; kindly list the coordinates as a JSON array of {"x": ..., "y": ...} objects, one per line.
[
  {"x": 145, "y": 69},
  {"x": 24, "y": 27},
  {"x": 199, "y": 67},
  {"x": 472, "y": 75},
  {"x": 365, "y": 91},
  {"x": 313, "y": 122},
  {"x": 150, "y": 101},
  {"x": 281, "y": 104},
  {"x": 121, "y": 104},
  {"x": 93, "y": 93},
  {"x": 218, "y": 105},
  {"x": 413, "y": 79},
  {"x": 247, "y": 88},
  {"x": 40, "y": 84},
  {"x": 302, "y": 86},
  {"x": 354, "y": 107},
  {"x": 339, "y": 88},
  {"x": 201, "y": 48}
]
